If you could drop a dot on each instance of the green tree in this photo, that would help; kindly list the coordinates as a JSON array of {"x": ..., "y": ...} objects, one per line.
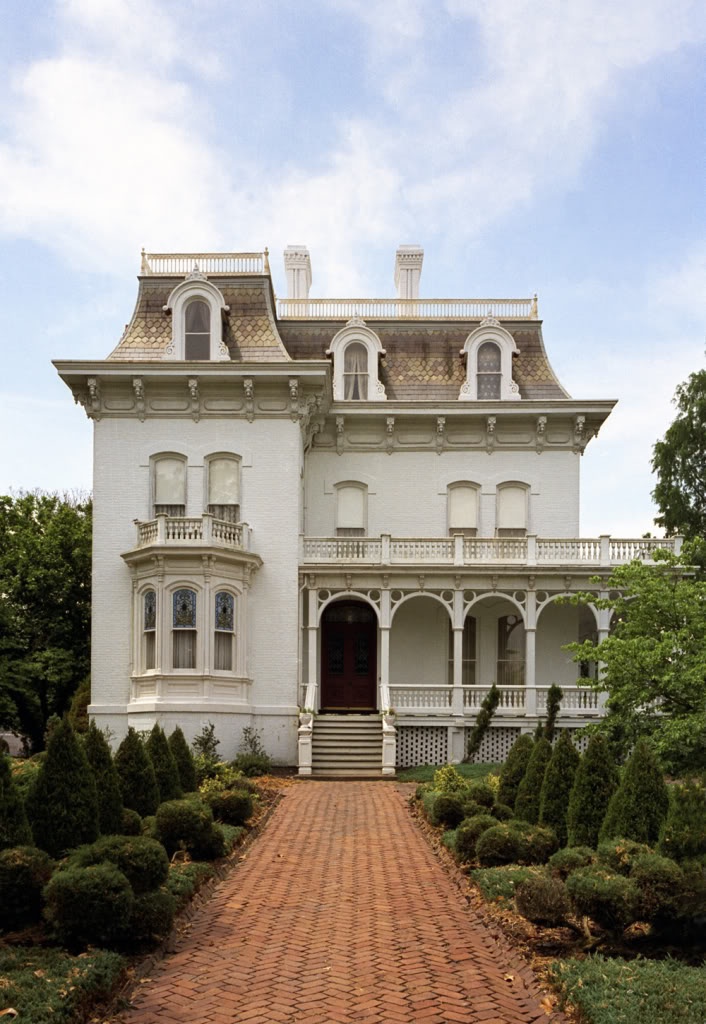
[
  {"x": 110, "y": 801},
  {"x": 556, "y": 788},
  {"x": 62, "y": 804},
  {"x": 14, "y": 826},
  {"x": 513, "y": 771},
  {"x": 639, "y": 805},
  {"x": 595, "y": 782},
  {"x": 138, "y": 782},
  {"x": 165, "y": 767},
  {"x": 684, "y": 833},
  {"x": 184, "y": 760},
  {"x": 528, "y": 792},
  {"x": 679, "y": 459},
  {"x": 485, "y": 717},
  {"x": 555, "y": 696},
  {"x": 654, "y": 661},
  {"x": 45, "y": 608}
]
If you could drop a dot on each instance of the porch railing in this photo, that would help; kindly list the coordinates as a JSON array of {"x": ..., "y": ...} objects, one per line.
[
  {"x": 514, "y": 700},
  {"x": 193, "y": 530},
  {"x": 459, "y": 550}
]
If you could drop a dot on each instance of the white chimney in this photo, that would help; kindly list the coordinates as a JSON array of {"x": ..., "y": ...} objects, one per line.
[
  {"x": 408, "y": 270},
  {"x": 297, "y": 266}
]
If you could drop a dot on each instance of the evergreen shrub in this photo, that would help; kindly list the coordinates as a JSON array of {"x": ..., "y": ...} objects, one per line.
[
  {"x": 110, "y": 802},
  {"x": 143, "y": 861},
  {"x": 661, "y": 886},
  {"x": 608, "y": 899},
  {"x": 138, "y": 782},
  {"x": 619, "y": 855},
  {"x": 471, "y": 809},
  {"x": 233, "y": 806},
  {"x": 543, "y": 900},
  {"x": 563, "y": 862},
  {"x": 555, "y": 696},
  {"x": 213, "y": 845},
  {"x": 24, "y": 871},
  {"x": 89, "y": 906},
  {"x": 130, "y": 822},
  {"x": 513, "y": 771},
  {"x": 151, "y": 919},
  {"x": 449, "y": 780},
  {"x": 537, "y": 842},
  {"x": 468, "y": 833},
  {"x": 557, "y": 784},
  {"x": 443, "y": 808},
  {"x": 530, "y": 788},
  {"x": 184, "y": 760},
  {"x": 62, "y": 805},
  {"x": 187, "y": 824},
  {"x": 164, "y": 764},
  {"x": 501, "y": 811},
  {"x": 498, "y": 845},
  {"x": 639, "y": 806},
  {"x": 683, "y": 835},
  {"x": 481, "y": 793},
  {"x": 14, "y": 826},
  {"x": 253, "y": 765},
  {"x": 595, "y": 782}
]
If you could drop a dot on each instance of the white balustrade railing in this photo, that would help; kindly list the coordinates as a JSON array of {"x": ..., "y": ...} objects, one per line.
[
  {"x": 192, "y": 530},
  {"x": 579, "y": 700},
  {"x": 530, "y": 550},
  {"x": 422, "y": 698},
  {"x": 204, "y": 262},
  {"x": 512, "y": 698},
  {"x": 400, "y": 309}
]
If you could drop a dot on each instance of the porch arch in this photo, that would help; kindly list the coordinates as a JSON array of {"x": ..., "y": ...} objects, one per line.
[{"x": 349, "y": 595}]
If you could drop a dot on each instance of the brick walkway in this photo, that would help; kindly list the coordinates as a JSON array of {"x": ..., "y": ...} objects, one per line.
[{"x": 341, "y": 914}]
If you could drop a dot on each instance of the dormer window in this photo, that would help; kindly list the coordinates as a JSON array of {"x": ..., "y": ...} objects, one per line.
[
  {"x": 197, "y": 309},
  {"x": 356, "y": 351},
  {"x": 197, "y": 330},
  {"x": 489, "y": 351}
]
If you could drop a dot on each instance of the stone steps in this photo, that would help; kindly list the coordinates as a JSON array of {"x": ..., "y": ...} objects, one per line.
[{"x": 347, "y": 745}]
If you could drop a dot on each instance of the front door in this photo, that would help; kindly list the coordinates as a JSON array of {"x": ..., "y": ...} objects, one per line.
[{"x": 349, "y": 657}]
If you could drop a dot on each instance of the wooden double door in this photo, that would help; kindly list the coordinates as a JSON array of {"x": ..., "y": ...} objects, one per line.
[{"x": 349, "y": 657}]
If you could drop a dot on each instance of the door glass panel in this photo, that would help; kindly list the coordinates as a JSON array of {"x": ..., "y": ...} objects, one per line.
[
  {"x": 335, "y": 654},
  {"x": 362, "y": 656}
]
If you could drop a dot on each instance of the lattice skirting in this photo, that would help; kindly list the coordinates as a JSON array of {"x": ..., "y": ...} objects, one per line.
[
  {"x": 496, "y": 744},
  {"x": 421, "y": 744}
]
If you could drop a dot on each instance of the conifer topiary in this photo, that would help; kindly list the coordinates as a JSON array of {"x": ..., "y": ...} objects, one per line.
[
  {"x": 110, "y": 802},
  {"x": 683, "y": 836},
  {"x": 595, "y": 782},
  {"x": 138, "y": 783},
  {"x": 485, "y": 716},
  {"x": 556, "y": 788},
  {"x": 62, "y": 805},
  {"x": 184, "y": 760},
  {"x": 14, "y": 826},
  {"x": 555, "y": 695},
  {"x": 529, "y": 790},
  {"x": 513, "y": 771},
  {"x": 165, "y": 767},
  {"x": 639, "y": 805}
]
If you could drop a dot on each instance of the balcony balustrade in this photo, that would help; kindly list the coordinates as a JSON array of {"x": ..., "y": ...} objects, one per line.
[
  {"x": 600, "y": 552},
  {"x": 197, "y": 530},
  {"x": 578, "y": 701}
]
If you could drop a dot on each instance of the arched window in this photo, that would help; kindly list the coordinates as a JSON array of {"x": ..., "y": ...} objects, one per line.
[
  {"x": 224, "y": 488},
  {"x": 489, "y": 371},
  {"x": 511, "y": 511},
  {"x": 355, "y": 372},
  {"x": 462, "y": 509},
  {"x": 351, "y": 509},
  {"x": 223, "y": 632},
  {"x": 197, "y": 330},
  {"x": 511, "y": 651},
  {"x": 149, "y": 630},
  {"x": 184, "y": 629},
  {"x": 169, "y": 485}
]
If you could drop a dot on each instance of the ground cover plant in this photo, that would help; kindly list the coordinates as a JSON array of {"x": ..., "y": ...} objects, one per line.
[{"x": 425, "y": 772}]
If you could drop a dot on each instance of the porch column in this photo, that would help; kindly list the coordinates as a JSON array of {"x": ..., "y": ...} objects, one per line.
[
  {"x": 603, "y": 633},
  {"x": 385, "y": 626},
  {"x": 530, "y": 654},
  {"x": 312, "y": 699},
  {"x": 457, "y": 692}
]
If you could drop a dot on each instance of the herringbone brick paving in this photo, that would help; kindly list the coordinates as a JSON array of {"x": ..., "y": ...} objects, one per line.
[{"x": 341, "y": 914}]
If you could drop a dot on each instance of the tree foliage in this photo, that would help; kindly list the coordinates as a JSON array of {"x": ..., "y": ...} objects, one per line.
[
  {"x": 530, "y": 788},
  {"x": 110, "y": 801},
  {"x": 595, "y": 782},
  {"x": 45, "y": 608},
  {"x": 513, "y": 771},
  {"x": 138, "y": 782},
  {"x": 14, "y": 827},
  {"x": 654, "y": 661},
  {"x": 165, "y": 767},
  {"x": 639, "y": 805},
  {"x": 557, "y": 785},
  {"x": 679, "y": 459}
]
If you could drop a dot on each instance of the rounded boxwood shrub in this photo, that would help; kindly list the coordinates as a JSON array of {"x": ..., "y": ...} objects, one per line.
[
  {"x": 184, "y": 760},
  {"x": 89, "y": 906},
  {"x": 14, "y": 826},
  {"x": 449, "y": 780},
  {"x": 110, "y": 802},
  {"x": 481, "y": 793},
  {"x": 183, "y": 824},
  {"x": 609, "y": 899},
  {"x": 24, "y": 871},
  {"x": 684, "y": 832},
  {"x": 595, "y": 782},
  {"x": 563, "y": 862},
  {"x": 165, "y": 767},
  {"x": 619, "y": 855},
  {"x": 130, "y": 822},
  {"x": 513, "y": 771},
  {"x": 661, "y": 885},
  {"x": 468, "y": 833},
  {"x": 233, "y": 806},
  {"x": 471, "y": 809},
  {"x": 143, "y": 861},
  {"x": 498, "y": 845},
  {"x": 138, "y": 783},
  {"x": 151, "y": 919},
  {"x": 537, "y": 843},
  {"x": 212, "y": 846},
  {"x": 556, "y": 788},
  {"x": 501, "y": 811},
  {"x": 543, "y": 900},
  {"x": 530, "y": 788},
  {"x": 444, "y": 808},
  {"x": 639, "y": 806}
]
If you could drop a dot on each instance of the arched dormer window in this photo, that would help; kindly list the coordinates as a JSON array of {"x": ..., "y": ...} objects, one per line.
[
  {"x": 197, "y": 307},
  {"x": 356, "y": 351},
  {"x": 489, "y": 351}
]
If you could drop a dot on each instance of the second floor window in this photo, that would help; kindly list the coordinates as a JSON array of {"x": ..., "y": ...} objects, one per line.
[
  {"x": 512, "y": 511},
  {"x": 351, "y": 500},
  {"x": 463, "y": 509},
  {"x": 224, "y": 489},
  {"x": 169, "y": 486}
]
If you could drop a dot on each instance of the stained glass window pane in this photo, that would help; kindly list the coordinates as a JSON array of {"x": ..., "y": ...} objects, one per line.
[
  {"x": 150, "y": 610},
  {"x": 184, "y": 609},
  {"x": 225, "y": 608}
]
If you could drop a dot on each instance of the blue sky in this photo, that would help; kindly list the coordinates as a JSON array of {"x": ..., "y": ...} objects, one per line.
[{"x": 553, "y": 146}]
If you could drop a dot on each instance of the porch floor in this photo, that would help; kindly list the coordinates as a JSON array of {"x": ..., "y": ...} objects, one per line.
[{"x": 341, "y": 914}]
